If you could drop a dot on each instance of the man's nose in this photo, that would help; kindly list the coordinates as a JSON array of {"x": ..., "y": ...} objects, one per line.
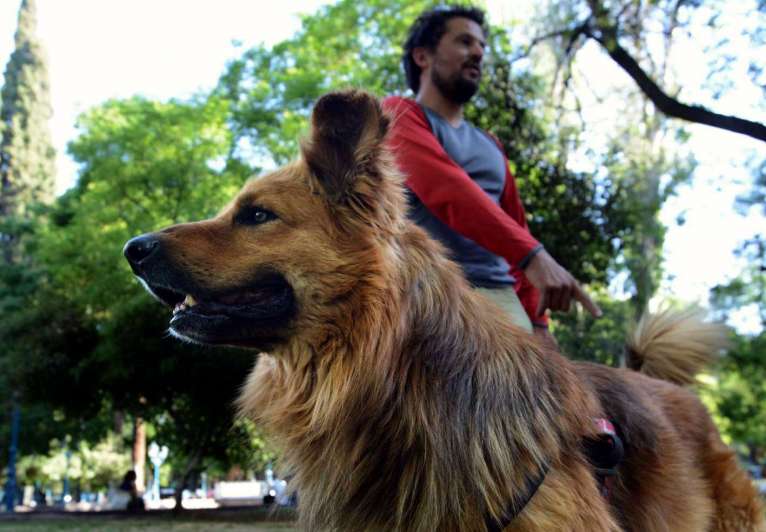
[{"x": 477, "y": 51}]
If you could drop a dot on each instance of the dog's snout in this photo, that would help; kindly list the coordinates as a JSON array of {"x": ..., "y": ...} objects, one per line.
[{"x": 140, "y": 248}]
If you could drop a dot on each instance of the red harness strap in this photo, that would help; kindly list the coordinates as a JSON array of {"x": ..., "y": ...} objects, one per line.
[
  {"x": 605, "y": 426},
  {"x": 605, "y": 453}
]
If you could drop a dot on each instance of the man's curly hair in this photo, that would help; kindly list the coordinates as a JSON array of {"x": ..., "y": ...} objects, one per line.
[{"x": 428, "y": 30}]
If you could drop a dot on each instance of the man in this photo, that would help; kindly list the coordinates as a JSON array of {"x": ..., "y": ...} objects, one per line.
[{"x": 463, "y": 193}]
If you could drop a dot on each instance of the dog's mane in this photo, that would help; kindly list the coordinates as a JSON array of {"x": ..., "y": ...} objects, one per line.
[{"x": 432, "y": 398}]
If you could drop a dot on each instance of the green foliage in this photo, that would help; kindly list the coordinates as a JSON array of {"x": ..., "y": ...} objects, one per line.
[
  {"x": 92, "y": 467},
  {"x": 646, "y": 175},
  {"x": 602, "y": 340},
  {"x": 739, "y": 393},
  {"x": 27, "y": 173},
  {"x": 95, "y": 340},
  {"x": 26, "y": 177},
  {"x": 749, "y": 288},
  {"x": 251, "y": 450},
  {"x": 346, "y": 44}
]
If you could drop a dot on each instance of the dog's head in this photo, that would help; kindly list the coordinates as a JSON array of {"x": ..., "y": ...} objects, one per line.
[{"x": 292, "y": 244}]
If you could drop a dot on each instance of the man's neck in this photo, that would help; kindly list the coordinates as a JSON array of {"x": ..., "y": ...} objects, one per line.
[{"x": 431, "y": 97}]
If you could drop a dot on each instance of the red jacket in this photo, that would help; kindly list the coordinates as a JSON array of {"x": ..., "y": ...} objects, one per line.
[{"x": 455, "y": 199}]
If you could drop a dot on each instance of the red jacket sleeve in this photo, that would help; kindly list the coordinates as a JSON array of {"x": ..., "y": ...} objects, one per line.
[
  {"x": 455, "y": 199},
  {"x": 448, "y": 192}
]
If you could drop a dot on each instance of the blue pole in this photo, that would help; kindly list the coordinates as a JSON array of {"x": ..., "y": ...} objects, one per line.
[
  {"x": 156, "y": 483},
  {"x": 10, "y": 485}
]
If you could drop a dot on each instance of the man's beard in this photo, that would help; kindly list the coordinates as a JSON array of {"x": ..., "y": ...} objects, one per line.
[{"x": 457, "y": 89}]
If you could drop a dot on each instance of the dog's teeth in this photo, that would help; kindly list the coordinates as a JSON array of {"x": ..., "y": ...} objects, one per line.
[{"x": 190, "y": 301}]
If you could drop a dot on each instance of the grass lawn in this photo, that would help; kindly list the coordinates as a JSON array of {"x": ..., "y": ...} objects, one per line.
[
  {"x": 224, "y": 521},
  {"x": 140, "y": 525}
]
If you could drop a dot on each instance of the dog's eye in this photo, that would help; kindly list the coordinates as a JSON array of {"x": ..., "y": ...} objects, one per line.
[{"x": 252, "y": 215}]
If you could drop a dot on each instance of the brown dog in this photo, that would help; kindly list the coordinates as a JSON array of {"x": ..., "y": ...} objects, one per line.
[{"x": 402, "y": 400}]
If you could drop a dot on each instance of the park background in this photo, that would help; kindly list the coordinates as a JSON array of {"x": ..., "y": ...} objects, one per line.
[{"x": 119, "y": 118}]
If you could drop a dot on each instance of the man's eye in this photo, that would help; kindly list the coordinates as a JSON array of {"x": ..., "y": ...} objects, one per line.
[{"x": 254, "y": 216}]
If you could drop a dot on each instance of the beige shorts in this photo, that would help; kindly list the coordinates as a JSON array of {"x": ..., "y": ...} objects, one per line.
[{"x": 507, "y": 299}]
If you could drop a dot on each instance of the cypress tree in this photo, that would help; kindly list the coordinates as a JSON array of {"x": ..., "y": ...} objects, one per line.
[
  {"x": 27, "y": 176},
  {"x": 27, "y": 157}
]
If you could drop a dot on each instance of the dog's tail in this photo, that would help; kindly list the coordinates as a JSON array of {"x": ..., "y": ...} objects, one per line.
[{"x": 675, "y": 345}]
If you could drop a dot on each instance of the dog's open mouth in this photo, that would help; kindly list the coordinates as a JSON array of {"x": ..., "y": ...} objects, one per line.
[
  {"x": 242, "y": 316},
  {"x": 252, "y": 303}
]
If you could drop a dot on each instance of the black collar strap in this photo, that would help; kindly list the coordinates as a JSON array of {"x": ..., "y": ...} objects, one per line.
[{"x": 518, "y": 503}]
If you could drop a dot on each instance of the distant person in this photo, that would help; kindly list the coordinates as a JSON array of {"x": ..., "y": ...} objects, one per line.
[
  {"x": 39, "y": 496},
  {"x": 128, "y": 485},
  {"x": 462, "y": 190}
]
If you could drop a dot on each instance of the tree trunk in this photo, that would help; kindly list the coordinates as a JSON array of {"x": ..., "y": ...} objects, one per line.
[
  {"x": 139, "y": 453},
  {"x": 119, "y": 421},
  {"x": 191, "y": 465}
]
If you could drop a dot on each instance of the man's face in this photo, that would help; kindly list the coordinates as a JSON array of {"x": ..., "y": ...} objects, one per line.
[{"x": 456, "y": 63}]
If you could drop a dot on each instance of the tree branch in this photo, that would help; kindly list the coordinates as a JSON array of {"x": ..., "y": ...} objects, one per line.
[
  {"x": 572, "y": 33},
  {"x": 670, "y": 106}
]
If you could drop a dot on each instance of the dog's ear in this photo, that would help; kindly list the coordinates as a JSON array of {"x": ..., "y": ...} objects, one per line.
[{"x": 345, "y": 143}]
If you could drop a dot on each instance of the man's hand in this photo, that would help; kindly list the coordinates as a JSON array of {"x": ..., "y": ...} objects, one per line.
[{"x": 556, "y": 285}]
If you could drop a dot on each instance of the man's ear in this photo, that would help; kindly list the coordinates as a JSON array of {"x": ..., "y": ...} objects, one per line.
[
  {"x": 347, "y": 132},
  {"x": 421, "y": 56}
]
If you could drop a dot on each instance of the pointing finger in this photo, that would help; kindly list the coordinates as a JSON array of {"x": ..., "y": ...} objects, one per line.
[{"x": 581, "y": 296}]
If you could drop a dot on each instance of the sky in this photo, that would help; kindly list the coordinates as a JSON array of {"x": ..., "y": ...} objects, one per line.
[{"x": 101, "y": 49}]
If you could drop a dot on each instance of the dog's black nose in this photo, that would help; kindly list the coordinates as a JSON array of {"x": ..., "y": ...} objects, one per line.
[{"x": 140, "y": 248}]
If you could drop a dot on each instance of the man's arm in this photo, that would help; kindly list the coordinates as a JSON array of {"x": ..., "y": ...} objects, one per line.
[
  {"x": 448, "y": 192},
  {"x": 455, "y": 199}
]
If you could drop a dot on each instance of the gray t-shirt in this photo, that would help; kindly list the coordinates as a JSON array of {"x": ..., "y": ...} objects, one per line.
[{"x": 473, "y": 150}]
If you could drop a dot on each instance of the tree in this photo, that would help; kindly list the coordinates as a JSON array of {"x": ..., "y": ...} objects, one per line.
[
  {"x": 740, "y": 390},
  {"x": 757, "y": 196},
  {"x": 623, "y": 29},
  {"x": 748, "y": 289},
  {"x": 88, "y": 467},
  {"x": 26, "y": 167},
  {"x": 144, "y": 165},
  {"x": 344, "y": 44},
  {"x": 27, "y": 172},
  {"x": 737, "y": 393},
  {"x": 26, "y": 163},
  {"x": 643, "y": 153}
]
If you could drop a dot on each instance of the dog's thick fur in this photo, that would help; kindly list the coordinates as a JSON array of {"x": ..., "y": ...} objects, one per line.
[{"x": 402, "y": 399}]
